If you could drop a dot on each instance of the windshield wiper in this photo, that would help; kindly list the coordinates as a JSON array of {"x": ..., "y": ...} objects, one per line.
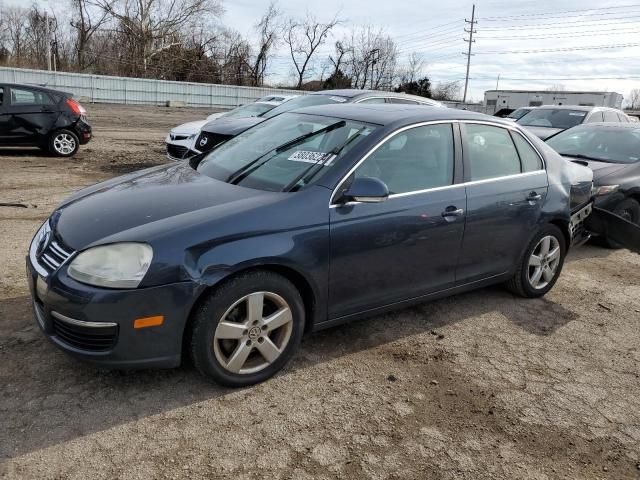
[
  {"x": 585, "y": 157},
  {"x": 253, "y": 165},
  {"x": 330, "y": 155}
]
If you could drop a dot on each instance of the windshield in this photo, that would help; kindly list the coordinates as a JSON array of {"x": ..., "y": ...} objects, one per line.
[
  {"x": 285, "y": 153},
  {"x": 553, "y": 118},
  {"x": 249, "y": 110},
  {"x": 617, "y": 145},
  {"x": 304, "y": 101},
  {"x": 519, "y": 113}
]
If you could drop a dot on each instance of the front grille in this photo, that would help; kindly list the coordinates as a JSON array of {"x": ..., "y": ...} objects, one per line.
[
  {"x": 54, "y": 255},
  {"x": 89, "y": 336},
  {"x": 176, "y": 151},
  {"x": 207, "y": 141}
]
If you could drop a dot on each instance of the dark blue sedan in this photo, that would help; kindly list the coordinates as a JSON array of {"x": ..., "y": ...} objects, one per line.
[{"x": 307, "y": 220}]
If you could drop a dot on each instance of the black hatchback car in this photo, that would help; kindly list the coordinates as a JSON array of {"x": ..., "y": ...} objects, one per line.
[
  {"x": 313, "y": 218},
  {"x": 42, "y": 117}
]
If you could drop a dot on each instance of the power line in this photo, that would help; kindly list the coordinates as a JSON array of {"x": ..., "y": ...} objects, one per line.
[
  {"x": 563, "y": 25},
  {"x": 507, "y": 17},
  {"x": 567, "y": 49}
]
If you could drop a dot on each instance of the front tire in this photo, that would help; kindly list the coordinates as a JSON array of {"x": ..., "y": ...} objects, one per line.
[
  {"x": 248, "y": 329},
  {"x": 540, "y": 264},
  {"x": 629, "y": 209},
  {"x": 63, "y": 143}
]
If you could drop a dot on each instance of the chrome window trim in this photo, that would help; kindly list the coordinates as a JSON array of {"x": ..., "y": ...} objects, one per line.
[
  {"x": 82, "y": 323},
  {"x": 465, "y": 184}
]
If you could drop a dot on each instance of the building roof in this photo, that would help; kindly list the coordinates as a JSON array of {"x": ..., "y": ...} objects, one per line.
[{"x": 553, "y": 92}]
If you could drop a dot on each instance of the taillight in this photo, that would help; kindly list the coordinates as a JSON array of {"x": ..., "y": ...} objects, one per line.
[{"x": 76, "y": 107}]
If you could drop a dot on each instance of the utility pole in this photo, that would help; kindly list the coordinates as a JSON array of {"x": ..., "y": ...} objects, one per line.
[
  {"x": 498, "y": 82},
  {"x": 48, "y": 40},
  {"x": 374, "y": 59},
  {"x": 470, "y": 41}
]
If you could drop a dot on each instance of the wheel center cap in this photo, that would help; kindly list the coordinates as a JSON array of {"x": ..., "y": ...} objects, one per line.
[{"x": 254, "y": 333}]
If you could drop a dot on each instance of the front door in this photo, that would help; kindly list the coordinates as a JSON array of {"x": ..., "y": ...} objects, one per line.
[
  {"x": 407, "y": 245},
  {"x": 506, "y": 187}
]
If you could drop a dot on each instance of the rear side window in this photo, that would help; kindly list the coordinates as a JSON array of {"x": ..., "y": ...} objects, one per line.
[
  {"x": 372, "y": 100},
  {"x": 490, "y": 152},
  {"x": 29, "y": 97},
  {"x": 403, "y": 101},
  {"x": 610, "y": 116},
  {"x": 622, "y": 117},
  {"x": 528, "y": 156},
  {"x": 595, "y": 117}
]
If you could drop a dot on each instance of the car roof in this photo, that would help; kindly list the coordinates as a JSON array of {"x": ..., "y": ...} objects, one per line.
[
  {"x": 390, "y": 113},
  {"x": 616, "y": 125},
  {"x": 582, "y": 108},
  {"x": 353, "y": 93},
  {"x": 36, "y": 87}
]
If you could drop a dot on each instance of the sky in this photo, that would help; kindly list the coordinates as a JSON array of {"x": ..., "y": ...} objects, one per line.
[{"x": 531, "y": 44}]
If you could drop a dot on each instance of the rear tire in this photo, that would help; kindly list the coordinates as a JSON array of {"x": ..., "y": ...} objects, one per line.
[
  {"x": 540, "y": 264},
  {"x": 247, "y": 329},
  {"x": 63, "y": 143}
]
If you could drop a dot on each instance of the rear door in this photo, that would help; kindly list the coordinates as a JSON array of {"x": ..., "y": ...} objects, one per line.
[
  {"x": 32, "y": 113},
  {"x": 506, "y": 187},
  {"x": 407, "y": 245}
]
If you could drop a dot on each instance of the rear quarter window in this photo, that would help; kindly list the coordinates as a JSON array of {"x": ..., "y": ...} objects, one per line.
[{"x": 528, "y": 156}]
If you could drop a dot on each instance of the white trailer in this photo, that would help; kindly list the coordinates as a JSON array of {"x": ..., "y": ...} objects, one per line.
[{"x": 499, "y": 99}]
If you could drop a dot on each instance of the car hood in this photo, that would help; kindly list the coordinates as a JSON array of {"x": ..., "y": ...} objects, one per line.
[
  {"x": 231, "y": 126},
  {"x": 600, "y": 169},
  {"x": 97, "y": 213},
  {"x": 543, "y": 132},
  {"x": 188, "y": 128}
]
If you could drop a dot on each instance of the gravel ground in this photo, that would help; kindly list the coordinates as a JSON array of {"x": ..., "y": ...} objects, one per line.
[{"x": 481, "y": 385}]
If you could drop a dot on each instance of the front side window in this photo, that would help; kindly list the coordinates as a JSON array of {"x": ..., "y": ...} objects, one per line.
[
  {"x": 285, "y": 153},
  {"x": 553, "y": 118},
  {"x": 595, "y": 117},
  {"x": 29, "y": 97},
  {"x": 490, "y": 152},
  {"x": 403, "y": 101},
  {"x": 416, "y": 159}
]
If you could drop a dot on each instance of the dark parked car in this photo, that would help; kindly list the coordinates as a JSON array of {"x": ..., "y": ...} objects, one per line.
[
  {"x": 612, "y": 151},
  {"x": 548, "y": 120},
  {"x": 311, "y": 219},
  {"x": 42, "y": 117},
  {"x": 214, "y": 133}
]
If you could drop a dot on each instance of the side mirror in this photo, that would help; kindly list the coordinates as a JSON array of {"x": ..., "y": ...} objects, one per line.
[{"x": 367, "y": 190}]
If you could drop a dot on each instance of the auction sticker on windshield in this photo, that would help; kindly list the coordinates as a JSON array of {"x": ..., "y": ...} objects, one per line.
[{"x": 311, "y": 157}]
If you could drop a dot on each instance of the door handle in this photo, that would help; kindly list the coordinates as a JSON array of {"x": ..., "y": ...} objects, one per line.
[
  {"x": 534, "y": 197},
  {"x": 450, "y": 213}
]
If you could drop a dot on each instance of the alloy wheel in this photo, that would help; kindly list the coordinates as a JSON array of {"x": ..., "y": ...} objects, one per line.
[
  {"x": 64, "y": 144},
  {"x": 544, "y": 262},
  {"x": 253, "y": 333}
]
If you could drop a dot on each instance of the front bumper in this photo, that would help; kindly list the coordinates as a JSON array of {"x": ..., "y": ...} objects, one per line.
[
  {"x": 96, "y": 325},
  {"x": 179, "y": 149}
]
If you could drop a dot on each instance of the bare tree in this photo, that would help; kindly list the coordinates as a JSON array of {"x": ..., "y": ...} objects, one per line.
[
  {"x": 86, "y": 21},
  {"x": 152, "y": 26},
  {"x": 556, "y": 88},
  {"x": 372, "y": 58},
  {"x": 268, "y": 28},
  {"x": 446, "y": 91},
  {"x": 411, "y": 71},
  {"x": 634, "y": 98},
  {"x": 303, "y": 38}
]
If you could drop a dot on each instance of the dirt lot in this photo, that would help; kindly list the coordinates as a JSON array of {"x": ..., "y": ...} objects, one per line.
[{"x": 482, "y": 385}]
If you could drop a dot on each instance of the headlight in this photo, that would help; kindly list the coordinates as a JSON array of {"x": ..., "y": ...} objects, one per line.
[
  {"x": 119, "y": 265},
  {"x": 193, "y": 135},
  {"x": 606, "y": 189}
]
